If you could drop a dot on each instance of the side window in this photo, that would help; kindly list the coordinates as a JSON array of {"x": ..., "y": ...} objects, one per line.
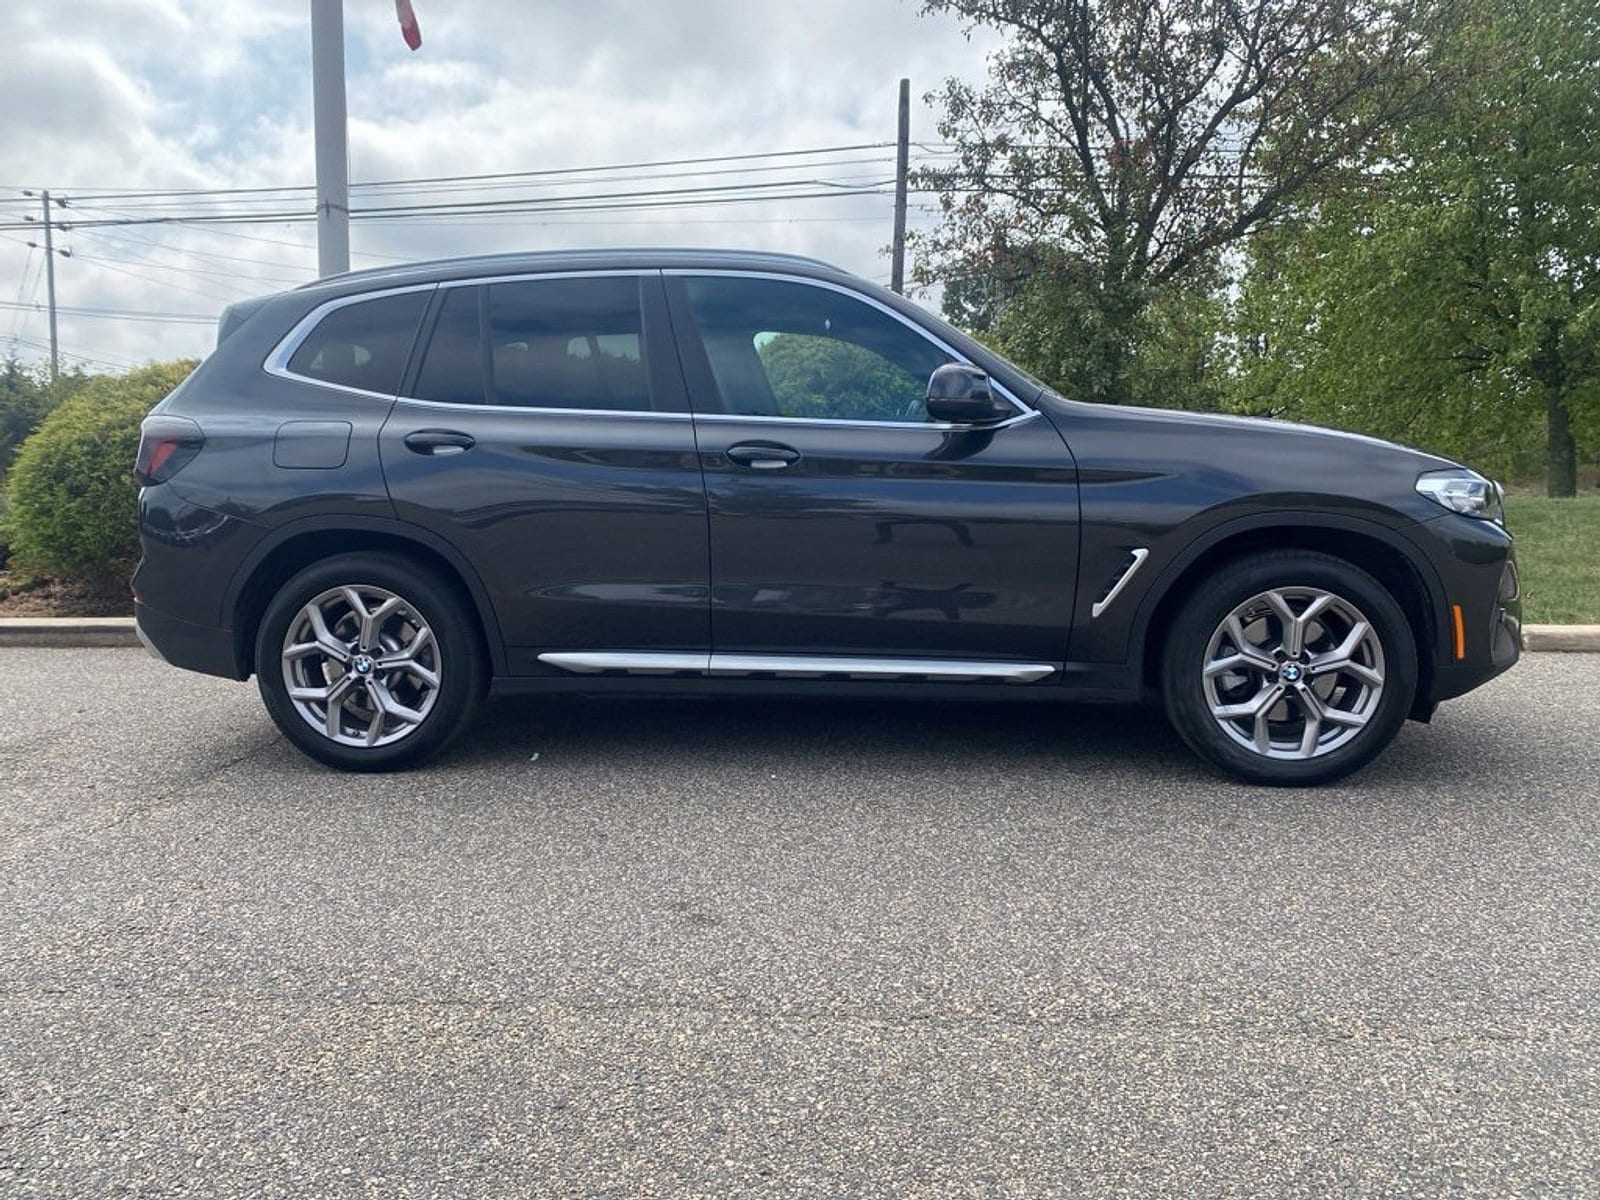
[
  {"x": 541, "y": 343},
  {"x": 362, "y": 345},
  {"x": 452, "y": 366},
  {"x": 794, "y": 350},
  {"x": 568, "y": 343}
]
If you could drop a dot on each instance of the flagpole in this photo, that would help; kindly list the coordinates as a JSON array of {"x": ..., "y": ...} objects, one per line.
[{"x": 328, "y": 114}]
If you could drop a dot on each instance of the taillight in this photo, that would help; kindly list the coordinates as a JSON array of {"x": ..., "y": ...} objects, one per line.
[{"x": 166, "y": 444}]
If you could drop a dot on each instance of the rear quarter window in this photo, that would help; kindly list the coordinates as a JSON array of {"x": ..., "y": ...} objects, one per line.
[{"x": 362, "y": 345}]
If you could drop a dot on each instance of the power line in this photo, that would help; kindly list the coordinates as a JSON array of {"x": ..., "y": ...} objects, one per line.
[
  {"x": 146, "y": 264},
  {"x": 194, "y": 250},
  {"x": 115, "y": 364},
  {"x": 104, "y": 194},
  {"x": 487, "y": 183},
  {"x": 306, "y": 246},
  {"x": 598, "y": 202},
  {"x": 668, "y": 191},
  {"x": 167, "y": 283},
  {"x": 122, "y": 315}
]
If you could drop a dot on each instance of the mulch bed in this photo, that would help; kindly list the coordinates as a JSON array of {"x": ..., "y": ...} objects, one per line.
[{"x": 48, "y": 598}]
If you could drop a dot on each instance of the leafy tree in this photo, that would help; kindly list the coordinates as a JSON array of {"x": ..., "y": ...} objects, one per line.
[
  {"x": 1121, "y": 146},
  {"x": 26, "y": 398},
  {"x": 1455, "y": 300}
]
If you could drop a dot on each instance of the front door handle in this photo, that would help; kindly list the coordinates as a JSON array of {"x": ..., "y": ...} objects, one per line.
[
  {"x": 439, "y": 441},
  {"x": 763, "y": 456}
]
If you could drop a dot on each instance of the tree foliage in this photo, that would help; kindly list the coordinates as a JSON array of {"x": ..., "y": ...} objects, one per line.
[
  {"x": 1121, "y": 146},
  {"x": 72, "y": 497},
  {"x": 825, "y": 377},
  {"x": 26, "y": 398},
  {"x": 1454, "y": 298}
]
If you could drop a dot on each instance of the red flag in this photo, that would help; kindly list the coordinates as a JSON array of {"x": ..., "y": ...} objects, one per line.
[{"x": 409, "y": 29}]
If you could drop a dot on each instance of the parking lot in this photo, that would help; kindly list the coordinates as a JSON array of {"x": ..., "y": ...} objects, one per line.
[{"x": 813, "y": 948}]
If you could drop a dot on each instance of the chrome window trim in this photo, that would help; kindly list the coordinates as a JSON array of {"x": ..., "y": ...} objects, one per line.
[
  {"x": 277, "y": 360},
  {"x": 449, "y": 406},
  {"x": 1023, "y": 411},
  {"x": 795, "y": 666},
  {"x": 846, "y": 422},
  {"x": 532, "y": 276}
]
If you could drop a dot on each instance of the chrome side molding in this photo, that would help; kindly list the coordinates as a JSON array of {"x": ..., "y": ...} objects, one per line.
[
  {"x": 592, "y": 662},
  {"x": 1128, "y": 572},
  {"x": 796, "y": 666},
  {"x": 806, "y": 666}
]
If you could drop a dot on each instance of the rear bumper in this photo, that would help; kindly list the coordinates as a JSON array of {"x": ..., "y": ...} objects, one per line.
[{"x": 185, "y": 644}]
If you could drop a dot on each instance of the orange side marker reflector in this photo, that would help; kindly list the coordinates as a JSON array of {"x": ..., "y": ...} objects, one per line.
[{"x": 1461, "y": 632}]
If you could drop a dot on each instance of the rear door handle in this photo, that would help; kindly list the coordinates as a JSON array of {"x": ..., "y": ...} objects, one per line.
[
  {"x": 763, "y": 456},
  {"x": 439, "y": 441}
]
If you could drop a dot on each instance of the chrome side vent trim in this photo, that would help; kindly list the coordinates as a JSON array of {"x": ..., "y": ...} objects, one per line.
[{"x": 1119, "y": 581}]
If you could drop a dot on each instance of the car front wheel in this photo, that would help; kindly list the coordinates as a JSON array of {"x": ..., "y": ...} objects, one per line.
[
  {"x": 369, "y": 662},
  {"x": 1290, "y": 668}
]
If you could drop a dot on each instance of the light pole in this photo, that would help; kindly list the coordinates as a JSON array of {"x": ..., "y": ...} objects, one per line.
[{"x": 333, "y": 156}]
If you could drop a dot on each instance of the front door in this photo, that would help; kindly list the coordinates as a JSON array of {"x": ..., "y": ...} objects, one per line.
[
  {"x": 844, "y": 522},
  {"x": 543, "y": 432}
]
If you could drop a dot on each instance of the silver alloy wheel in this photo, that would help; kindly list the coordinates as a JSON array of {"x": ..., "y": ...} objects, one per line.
[
  {"x": 1295, "y": 672},
  {"x": 361, "y": 665}
]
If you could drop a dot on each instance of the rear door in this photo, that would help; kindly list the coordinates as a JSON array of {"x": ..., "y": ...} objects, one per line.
[
  {"x": 543, "y": 431},
  {"x": 845, "y": 522}
]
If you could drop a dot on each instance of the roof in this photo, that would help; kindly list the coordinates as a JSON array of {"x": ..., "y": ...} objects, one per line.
[{"x": 568, "y": 260}]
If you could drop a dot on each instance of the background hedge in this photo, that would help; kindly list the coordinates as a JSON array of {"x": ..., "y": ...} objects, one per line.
[{"x": 73, "y": 502}]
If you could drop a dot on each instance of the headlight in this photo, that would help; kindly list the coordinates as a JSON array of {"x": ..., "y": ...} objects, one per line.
[{"x": 1464, "y": 491}]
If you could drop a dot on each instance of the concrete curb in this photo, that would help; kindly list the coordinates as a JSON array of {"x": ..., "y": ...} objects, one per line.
[
  {"x": 118, "y": 631},
  {"x": 1561, "y": 637},
  {"x": 67, "y": 631}
]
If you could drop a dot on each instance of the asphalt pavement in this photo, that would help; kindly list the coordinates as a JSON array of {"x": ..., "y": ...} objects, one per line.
[{"x": 784, "y": 948}]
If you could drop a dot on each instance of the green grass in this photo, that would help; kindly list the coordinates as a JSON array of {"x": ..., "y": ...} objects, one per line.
[{"x": 1558, "y": 551}]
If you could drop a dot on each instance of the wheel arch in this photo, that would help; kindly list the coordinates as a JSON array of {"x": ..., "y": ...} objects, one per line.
[
  {"x": 298, "y": 544},
  {"x": 1383, "y": 554}
]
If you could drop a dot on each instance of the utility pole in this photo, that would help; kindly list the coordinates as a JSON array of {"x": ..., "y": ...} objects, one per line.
[
  {"x": 50, "y": 253},
  {"x": 902, "y": 155},
  {"x": 328, "y": 115},
  {"x": 50, "y": 289}
]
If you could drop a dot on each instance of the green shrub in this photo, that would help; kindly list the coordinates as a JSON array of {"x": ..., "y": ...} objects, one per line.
[{"x": 72, "y": 497}]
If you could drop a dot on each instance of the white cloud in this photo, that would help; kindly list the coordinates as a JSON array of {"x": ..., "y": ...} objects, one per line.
[{"x": 131, "y": 94}]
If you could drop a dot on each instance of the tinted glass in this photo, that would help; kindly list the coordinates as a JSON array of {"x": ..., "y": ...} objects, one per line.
[
  {"x": 794, "y": 350},
  {"x": 568, "y": 343},
  {"x": 452, "y": 366},
  {"x": 544, "y": 343},
  {"x": 363, "y": 345}
]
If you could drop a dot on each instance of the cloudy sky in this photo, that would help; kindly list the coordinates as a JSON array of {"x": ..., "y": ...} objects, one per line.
[{"x": 133, "y": 96}]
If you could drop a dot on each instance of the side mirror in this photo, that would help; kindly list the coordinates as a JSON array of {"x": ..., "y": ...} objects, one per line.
[{"x": 961, "y": 395}]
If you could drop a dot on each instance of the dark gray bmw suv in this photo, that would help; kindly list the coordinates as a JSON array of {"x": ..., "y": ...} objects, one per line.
[{"x": 389, "y": 492}]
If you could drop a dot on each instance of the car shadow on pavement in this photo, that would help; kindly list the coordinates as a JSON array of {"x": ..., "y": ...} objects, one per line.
[{"x": 878, "y": 735}]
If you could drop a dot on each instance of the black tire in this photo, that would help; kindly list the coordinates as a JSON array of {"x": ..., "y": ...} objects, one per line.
[
  {"x": 426, "y": 601},
  {"x": 1299, "y": 576}
]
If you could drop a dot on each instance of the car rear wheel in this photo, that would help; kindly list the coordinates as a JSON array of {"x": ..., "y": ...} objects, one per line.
[
  {"x": 1290, "y": 668},
  {"x": 369, "y": 662}
]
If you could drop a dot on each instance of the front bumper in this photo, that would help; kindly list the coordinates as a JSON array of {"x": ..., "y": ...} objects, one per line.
[{"x": 1480, "y": 627}]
